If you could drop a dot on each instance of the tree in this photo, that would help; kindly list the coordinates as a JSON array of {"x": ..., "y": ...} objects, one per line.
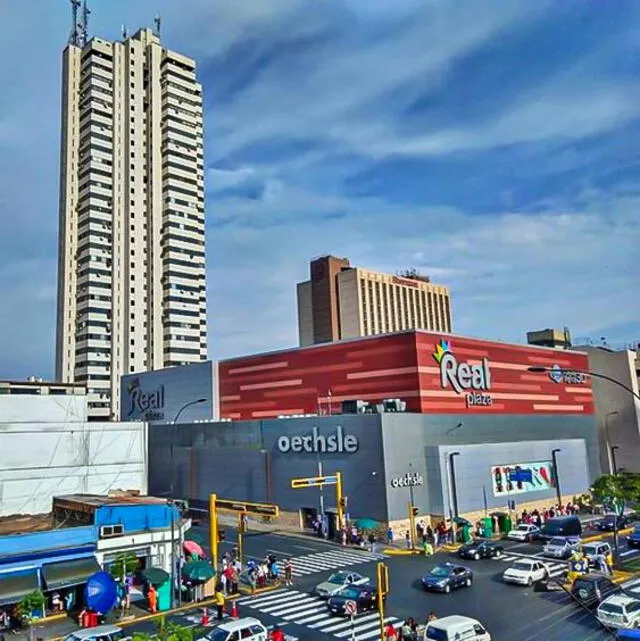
[
  {"x": 31, "y": 603},
  {"x": 617, "y": 490},
  {"x": 173, "y": 631},
  {"x": 124, "y": 564}
]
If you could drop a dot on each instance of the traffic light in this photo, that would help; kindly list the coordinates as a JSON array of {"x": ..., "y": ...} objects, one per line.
[
  {"x": 414, "y": 510},
  {"x": 221, "y": 535}
]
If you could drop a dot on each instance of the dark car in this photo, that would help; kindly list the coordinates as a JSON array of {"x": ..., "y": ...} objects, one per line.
[
  {"x": 633, "y": 540},
  {"x": 590, "y": 590},
  {"x": 608, "y": 522},
  {"x": 446, "y": 577},
  {"x": 560, "y": 526},
  {"x": 364, "y": 596},
  {"x": 481, "y": 550}
]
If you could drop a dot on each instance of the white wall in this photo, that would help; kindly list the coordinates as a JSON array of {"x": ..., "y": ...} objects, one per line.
[
  {"x": 617, "y": 411},
  {"x": 46, "y": 452}
]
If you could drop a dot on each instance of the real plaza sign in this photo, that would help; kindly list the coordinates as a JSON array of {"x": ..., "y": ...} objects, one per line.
[
  {"x": 472, "y": 380},
  {"x": 316, "y": 443},
  {"x": 145, "y": 404}
]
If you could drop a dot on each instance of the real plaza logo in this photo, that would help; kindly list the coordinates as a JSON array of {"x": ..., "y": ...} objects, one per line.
[
  {"x": 143, "y": 404},
  {"x": 472, "y": 380}
]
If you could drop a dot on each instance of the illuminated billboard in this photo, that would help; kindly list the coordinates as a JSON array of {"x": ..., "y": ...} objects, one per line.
[{"x": 522, "y": 478}]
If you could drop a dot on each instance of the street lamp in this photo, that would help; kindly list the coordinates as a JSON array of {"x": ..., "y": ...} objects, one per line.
[
  {"x": 189, "y": 404},
  {"x": 538, "y": 369},
  {"x": 173, "y": 432},
  {"x": 454, "y": 487},
  {"x": 554, "y": 456},
  {"x": 613, "y": 458},
  {"x": 610, "y": 456},
  {"x": 457, "y": 427},
  {"x": 267, "y": 472}
]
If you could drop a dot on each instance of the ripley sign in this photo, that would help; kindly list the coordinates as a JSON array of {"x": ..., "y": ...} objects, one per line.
[
  {"x": 472, "y": 380},
  {"x": 316, "y": 443}
]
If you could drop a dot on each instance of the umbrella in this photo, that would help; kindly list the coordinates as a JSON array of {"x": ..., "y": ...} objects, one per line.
[
  {"x": 197, "y": 571},
  {"x": 155, "y": 576},
  {"x": 193, "y": 548},
  {"x": 101, "y": 592},
  {"x": 366, "y": 524}
]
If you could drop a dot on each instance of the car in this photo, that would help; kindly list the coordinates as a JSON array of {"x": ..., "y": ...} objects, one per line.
[
  {"x": 102, "y": 632},
  {"x": 560, "y": 526},
  {"x": 456, "y": 627},
  {"x": 526, "y": 572},
  {"x": 619, "y": 611},
  {"x": 633, "y": 540},
  {"x": 481, "y": 550},
  {"x": 247, "y": 629},
  {"x": 609, "y": 521},
  {"x": 523, "y": 532},
  {"x": 446, "y": 577},
  {"x": 595, "y": 549},
  {"x": 364, "y": 596},
  {"x": 561, "y": 547},
  {"x": 590, "y": 590},
  {"x": 337, "y": 581}
]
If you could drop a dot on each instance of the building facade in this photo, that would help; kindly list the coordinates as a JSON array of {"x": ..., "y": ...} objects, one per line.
[
  {"x": 50, "y": 447},
  {"x": 379, "y": 456},
  {"x": 617, "y": 410},
  {"x": 341, "y": 302},
  {"x": 429, "y": 372},
  {"x": 131, "y": 272}
]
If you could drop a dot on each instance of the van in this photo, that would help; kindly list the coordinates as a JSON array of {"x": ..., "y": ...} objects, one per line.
[
  {"x": 560, "y": 526},
  {"x": 456, "y": 628}
]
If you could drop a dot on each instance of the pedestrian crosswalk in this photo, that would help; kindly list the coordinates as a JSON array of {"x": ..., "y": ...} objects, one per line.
[
  {"x": 632, "y": 587},
  {"x": 556, "y": 568},
  {"x": 329, "y": 560},
  {"x": 301, "y": 608}
]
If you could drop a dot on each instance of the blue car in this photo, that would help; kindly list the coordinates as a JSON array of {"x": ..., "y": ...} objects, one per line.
[
  {"x": 633, "y": 540},
  {"x": 446, "y": 577}
]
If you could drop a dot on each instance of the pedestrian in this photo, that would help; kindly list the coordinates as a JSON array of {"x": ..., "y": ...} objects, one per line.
[
  {"x": 389, "y": 536},
  {"x": 407, "y": 538},
  {"x": 390, "y": 632},
  {"x": 288, "y": 573},
  {"x": 223, "y": 582},
  {"x": 428, "y": 548},
  {"x": 372, "y": 541},
  {"x": 152, "y": 598},
  {"x": 219, "y": 604},
  {"x": 277, "y": 634}
]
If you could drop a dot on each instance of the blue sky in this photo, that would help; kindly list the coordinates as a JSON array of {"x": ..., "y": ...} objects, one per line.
[{"x": 492, "y": 145}]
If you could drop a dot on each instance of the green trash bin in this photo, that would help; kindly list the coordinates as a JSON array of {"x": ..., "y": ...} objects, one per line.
[
  {"x": 466, "y": 534},
  {"x": 487, "y": 527},
  {"x": 508, "y": 524},
  {"x": 502, "y": 522}
]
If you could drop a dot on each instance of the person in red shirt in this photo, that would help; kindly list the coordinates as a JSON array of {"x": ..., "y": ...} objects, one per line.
[
  {"x": 389, "y": 632},
  {"x": 277, "y": 634}
]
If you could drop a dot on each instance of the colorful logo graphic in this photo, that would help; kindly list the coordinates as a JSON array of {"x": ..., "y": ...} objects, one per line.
[
  {"x": 442, "y": 348},
  {"x": 556, "y": 374},
  {"x": 145, "y": 405}
]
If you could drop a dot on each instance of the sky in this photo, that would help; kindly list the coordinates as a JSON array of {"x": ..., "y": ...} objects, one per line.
[{"x": 492, "y": 145}]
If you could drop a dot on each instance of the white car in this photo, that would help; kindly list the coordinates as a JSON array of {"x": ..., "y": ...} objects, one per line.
[
  {"x": 619, "y": 611},
  {"x": 523, "y": 532},
  {"x": 337, "y": 581},
  {"x": 525, "y": 572},
  {"x": 247, "y": 629},
  {"x": 105, "y": 632},
  {"x": 593, "y": 550},
  {"x": 456, "y": 627},
  {"x": 561, "y": 548}
]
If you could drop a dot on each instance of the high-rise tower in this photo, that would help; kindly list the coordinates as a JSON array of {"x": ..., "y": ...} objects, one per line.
[{"x": 131, "y": 272}]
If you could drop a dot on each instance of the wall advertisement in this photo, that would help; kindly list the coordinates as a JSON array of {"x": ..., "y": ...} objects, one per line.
[{"x": 522, "y": 478}]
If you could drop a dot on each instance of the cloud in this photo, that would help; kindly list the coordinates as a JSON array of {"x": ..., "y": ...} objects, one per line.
[{"x": 495, "y": 150}]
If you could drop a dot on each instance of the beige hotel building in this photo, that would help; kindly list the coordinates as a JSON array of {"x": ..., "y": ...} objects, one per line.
[
  {"x": 340, "y": 301},
  {"x": 131, "y": 273}
]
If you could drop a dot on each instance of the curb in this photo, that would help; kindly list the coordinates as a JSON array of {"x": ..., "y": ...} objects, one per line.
[
  {"x": 398, "y": 552},
  {"x": 602, "y": 535},
  {"x": 249, "y": 592}
]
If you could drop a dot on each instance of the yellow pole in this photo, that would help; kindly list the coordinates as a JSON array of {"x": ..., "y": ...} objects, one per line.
[
  {"x": 213, "y": 531},
  {"x": 240, "y": 534},
  {"x": 412, "y": 527},
  {"x": 339, "y": 499},
  {"x": 380, "y": 569}
]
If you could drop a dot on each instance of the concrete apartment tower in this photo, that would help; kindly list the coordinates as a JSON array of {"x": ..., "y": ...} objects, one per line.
[{"x": 131, "y": 268}]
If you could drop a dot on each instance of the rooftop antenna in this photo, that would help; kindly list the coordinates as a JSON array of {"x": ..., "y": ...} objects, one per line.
[
  {"x": 74, "y": 36},
  {"x": 85, "y": 22},
  {"x": 157, "y": 23},
  {"x": 123, "y": 31}
]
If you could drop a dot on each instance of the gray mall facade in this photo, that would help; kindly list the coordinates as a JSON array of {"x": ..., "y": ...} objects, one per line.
[{"x": 384, "y": 459}]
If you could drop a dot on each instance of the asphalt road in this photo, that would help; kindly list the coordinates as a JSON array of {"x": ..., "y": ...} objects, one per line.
[{"x": 507, "y": 611}]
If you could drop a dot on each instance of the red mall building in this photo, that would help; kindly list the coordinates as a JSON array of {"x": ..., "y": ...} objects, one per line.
[{"x": 432, "y": 373}]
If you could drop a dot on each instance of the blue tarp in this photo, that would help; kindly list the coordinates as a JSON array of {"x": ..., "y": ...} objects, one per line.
[{"x": 628, "y": 635}]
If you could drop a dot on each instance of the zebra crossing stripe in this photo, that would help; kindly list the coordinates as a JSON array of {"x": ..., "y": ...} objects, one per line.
[
  {"x": 347, "y": 624},
  {"x": 363, "y": 628},
  {"x": 290, "y": 607},
  {"x": 300, "y": 598},
  {"x": 272, "y": 596},
  {"x": 309, "y": 610},
  {"x": 315, "y": 617}
]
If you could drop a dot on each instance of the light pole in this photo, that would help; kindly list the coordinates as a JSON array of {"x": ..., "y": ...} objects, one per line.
[
  {"x": 554, "y": 456},
  {"x": 457, "y": 427},
  {"x": 539, "y": 370},
  {"x": 610, "y": 455},
  {"x": 173, "y": 432},
  {"x": 321, "y": 487},
  {"x": 613, "y": 459},
  {"x": 454, "y": 486},
  {"x": 171, "y": 505},
  {"x": 267, "y": 472}
]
